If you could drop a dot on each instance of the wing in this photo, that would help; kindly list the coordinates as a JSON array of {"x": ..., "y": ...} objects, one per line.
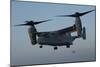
[
  {"x": 67, "y": 30},
  {"x": 60, "y": 32}
]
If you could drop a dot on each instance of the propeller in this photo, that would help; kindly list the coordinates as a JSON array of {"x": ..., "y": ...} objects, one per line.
[
  {"x": 77, "y": 14},
  {"x": 42, "y": 21},
  {"x": 33, "y": 22}
]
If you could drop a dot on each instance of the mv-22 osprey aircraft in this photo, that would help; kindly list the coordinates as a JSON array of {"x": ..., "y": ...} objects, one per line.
[{"x": 60, "y": 37}]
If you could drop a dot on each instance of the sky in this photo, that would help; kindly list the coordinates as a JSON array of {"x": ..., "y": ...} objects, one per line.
[{"x": 22, "y": 51}]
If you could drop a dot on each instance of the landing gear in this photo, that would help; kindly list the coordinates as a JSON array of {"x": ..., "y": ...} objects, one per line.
[
  {"x": 55, "y": 48},
  {"x": 41, "y": 46},
  {"x": 68, "y": 46},
  {"x": 33, "y": 43}
]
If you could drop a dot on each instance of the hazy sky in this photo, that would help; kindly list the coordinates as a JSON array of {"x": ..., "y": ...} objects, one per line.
[{"x": 23, "y": 53}]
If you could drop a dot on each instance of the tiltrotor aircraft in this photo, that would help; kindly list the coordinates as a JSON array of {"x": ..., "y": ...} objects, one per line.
[{"x": 57, "y": 38}]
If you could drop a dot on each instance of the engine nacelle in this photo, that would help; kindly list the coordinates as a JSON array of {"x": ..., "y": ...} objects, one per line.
[{"x": 32, "y": 35}]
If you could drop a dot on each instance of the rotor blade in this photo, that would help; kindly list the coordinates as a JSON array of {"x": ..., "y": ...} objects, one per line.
[
  {"x": 81, "y": 14},
  {"x": 26, "y": 21},
  {"x": 20, "y": 25},
  {"x": 42, "y": 21},
  {"x": 73, "y": 15}
]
